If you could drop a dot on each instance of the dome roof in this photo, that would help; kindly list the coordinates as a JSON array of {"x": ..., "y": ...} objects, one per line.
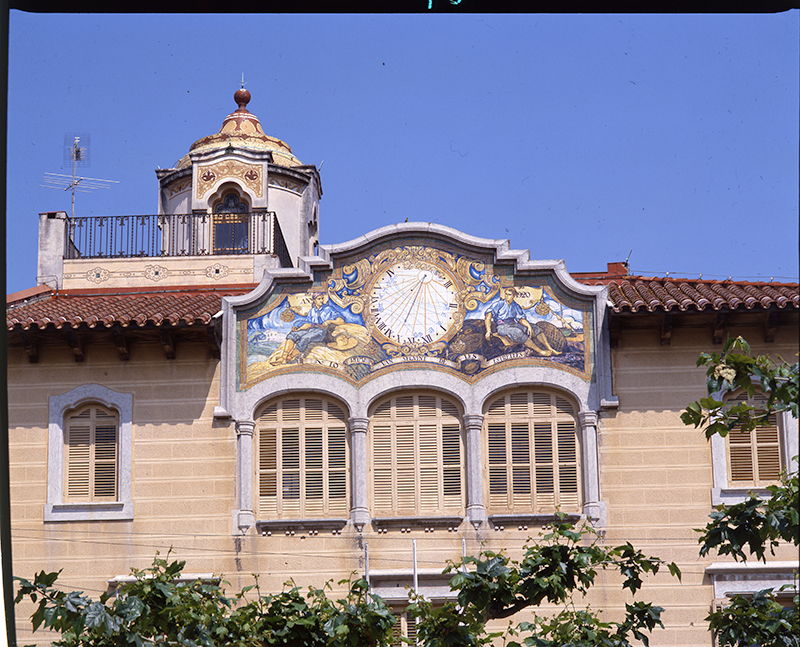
[{"x": 242, "y": 129}]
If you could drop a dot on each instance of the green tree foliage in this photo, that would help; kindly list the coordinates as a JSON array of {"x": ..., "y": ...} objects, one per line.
[
  {"x": 157, "y": 608},
  {"x": 559, "y": 568},
  {"x": 757, "y": 620},
  {"x": 756, "y": 525}
]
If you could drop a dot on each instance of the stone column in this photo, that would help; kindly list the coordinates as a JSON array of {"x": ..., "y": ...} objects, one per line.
[
  {"x": 476, "y": 511},
  {"x": 244, "y": 517},
  {"x": 359, "y": 512},
  {"x": 593, "y": 507}
]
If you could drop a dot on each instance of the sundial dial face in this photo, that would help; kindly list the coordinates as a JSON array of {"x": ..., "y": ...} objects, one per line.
[{"x": 414, "y": 302}]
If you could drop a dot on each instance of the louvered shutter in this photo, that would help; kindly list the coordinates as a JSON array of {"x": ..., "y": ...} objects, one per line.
[
  {"x": 754, "y": 458},
  {"x": 405, "y": 626},
  {"x": 416, "y": 456},
  {"x": 105, "y": 455},
  {"x": 79, "y": 455},
  {"x": 91, "y": 455},
  {"x": 302, "y": 459},
  {"x": 532, "y": 453}
]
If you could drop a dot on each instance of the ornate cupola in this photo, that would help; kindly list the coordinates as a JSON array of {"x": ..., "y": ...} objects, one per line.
[{"x": 243, "y": 179}]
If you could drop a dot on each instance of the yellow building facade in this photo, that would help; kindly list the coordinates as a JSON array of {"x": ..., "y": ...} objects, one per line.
[{"x": 260, "y": 403}]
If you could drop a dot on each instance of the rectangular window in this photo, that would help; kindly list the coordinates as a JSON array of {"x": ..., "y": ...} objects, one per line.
[
  {"x": 754, "y": 457},
  {"x": 91, "y": 455}
]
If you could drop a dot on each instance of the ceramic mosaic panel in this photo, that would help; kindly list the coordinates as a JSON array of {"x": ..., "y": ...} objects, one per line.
[{"x": 415, "y": 304}]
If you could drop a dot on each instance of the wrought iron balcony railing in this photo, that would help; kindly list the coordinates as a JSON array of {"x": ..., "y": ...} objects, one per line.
[{"x": 194, "y": 234}]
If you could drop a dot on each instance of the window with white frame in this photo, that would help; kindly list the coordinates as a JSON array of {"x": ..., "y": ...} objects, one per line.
[
  {"x": 531, "y": 454},
  {"x": 302, "y": 459},
  {"x": 90, "y": 455},
  {"x": 750, "y": 461},
  {"x": 416, "y": 450}
]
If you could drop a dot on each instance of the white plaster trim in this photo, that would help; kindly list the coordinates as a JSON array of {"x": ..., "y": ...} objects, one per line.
[
  {"x": 500, "y": 246},
  {"x": 748, "y": 577},
  {"x": 56, "y": 509}
]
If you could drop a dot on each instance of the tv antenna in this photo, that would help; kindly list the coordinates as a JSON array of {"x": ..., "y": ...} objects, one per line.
[{"x": 79, "y": 157}]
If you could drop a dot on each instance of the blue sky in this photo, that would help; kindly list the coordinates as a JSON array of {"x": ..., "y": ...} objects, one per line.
[{"x": 579, "y": 137}]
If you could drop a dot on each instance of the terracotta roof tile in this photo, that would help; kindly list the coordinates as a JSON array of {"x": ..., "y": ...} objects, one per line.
[
  {"x": 633, "y": 293},
  {"x": 197, "y": 306},
  {"x": 190, "y": 306}
]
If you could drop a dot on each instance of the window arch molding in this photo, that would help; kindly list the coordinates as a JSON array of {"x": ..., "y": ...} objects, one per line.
[
  {"x": 227, "y": 186},
  {"x": 56, "y": 508},
  {"x": 242, "y": 406},
  {"x": 587, "y": 400},
  {"x": 231, "y": 223},
  {"x": 246, "y": 407}
]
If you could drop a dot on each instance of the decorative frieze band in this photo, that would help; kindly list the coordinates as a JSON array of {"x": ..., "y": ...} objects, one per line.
[{"x": 156, "y": 273}]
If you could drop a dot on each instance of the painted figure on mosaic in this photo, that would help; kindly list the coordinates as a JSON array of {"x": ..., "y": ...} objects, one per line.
[
  {"x": 310, "y": 328},
  {"x": 505, "y": 319},
  {"x": 516, "y": 322}
]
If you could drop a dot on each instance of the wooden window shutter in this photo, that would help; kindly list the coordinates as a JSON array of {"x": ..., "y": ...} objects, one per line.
[
  {"x": 405, "y": 626},
  {"x": 91, "y": 436},
  {"x": 416, "y": 450},
  {"x": 532, "y": 453},
  {"x": 754, "y": 458},
  {"x": 302, "y": 459}
]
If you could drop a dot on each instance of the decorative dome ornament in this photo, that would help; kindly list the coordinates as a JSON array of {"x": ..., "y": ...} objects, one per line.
[{"x": 242, "y": 130}]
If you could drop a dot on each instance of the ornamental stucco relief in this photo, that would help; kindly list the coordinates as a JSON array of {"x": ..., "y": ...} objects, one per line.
[
  {"x": 178, "y": 186},
  {"x": 248, "y": 174}
]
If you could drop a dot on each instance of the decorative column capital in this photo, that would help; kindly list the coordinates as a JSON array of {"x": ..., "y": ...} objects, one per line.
[
  {"x": 588, "y": 418},
  {"x": 358, "y": 425},
  {"x": 245, "y": 427},
  {"x": 473, "y": 420}
]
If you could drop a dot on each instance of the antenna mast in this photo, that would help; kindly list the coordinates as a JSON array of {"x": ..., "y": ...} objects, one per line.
[{"x": 79, "y": 156}]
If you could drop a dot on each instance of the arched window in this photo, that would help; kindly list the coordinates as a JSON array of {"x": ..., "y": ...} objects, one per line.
[
  {"x": 231, "y": 224},
  {"x": 91, "y": 449},
  {"x": 531, "y": 450},
  {"x": 416, "y": 450},
  {"x": 754, "y": 457},
  {"x": 302, "y": 459}
]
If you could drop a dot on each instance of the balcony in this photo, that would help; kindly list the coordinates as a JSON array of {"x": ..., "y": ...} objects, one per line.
[
  {"x": 159, "y": 251},
  {"x": 175, "y": 235}
]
